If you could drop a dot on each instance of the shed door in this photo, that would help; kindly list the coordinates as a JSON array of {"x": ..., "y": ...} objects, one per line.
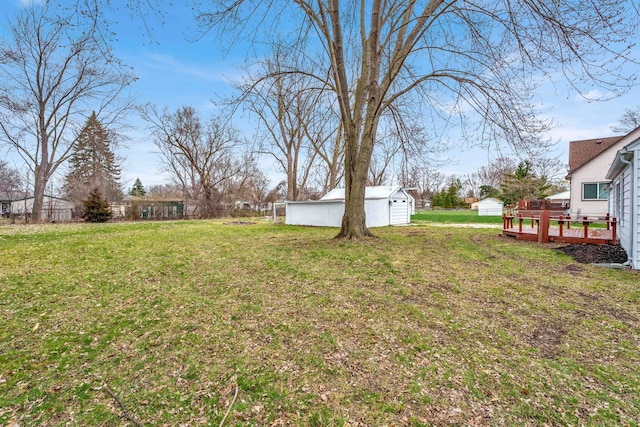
[{"x": 399, "y": 211}]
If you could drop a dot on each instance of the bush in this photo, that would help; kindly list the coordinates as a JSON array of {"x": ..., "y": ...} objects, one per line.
[{"x": 96, "y": 209}]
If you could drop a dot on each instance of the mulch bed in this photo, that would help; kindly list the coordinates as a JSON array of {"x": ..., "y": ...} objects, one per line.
[{"x": 589, "y": 253}]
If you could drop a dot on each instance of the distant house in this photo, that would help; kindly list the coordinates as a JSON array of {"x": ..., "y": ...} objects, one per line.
[
  {"x": 54, "y": 209},
  {"x": 144, "y": 207},
  {"x": 384, "y": 205},
  {"x": 624, "y": 195},
  {"x": 564, "y": 196},
  {"x": 5, "y": 205},
  {"x": 490, "y": 207},
  {"x": 589, "y": 161}
]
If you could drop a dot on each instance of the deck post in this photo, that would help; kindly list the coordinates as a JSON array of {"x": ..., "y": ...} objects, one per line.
[
  {"x": 585, "y": 224},
  {"x": 560, "y": 224},
  {"x": 543, "y": 227},
  {"x": 520, "y": 220},
  {"x": 607, "y": 218},
  {"x": 614, "y": 226}
]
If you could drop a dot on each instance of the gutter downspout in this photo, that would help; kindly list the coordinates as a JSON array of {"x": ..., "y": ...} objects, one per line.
[{"x": 632, "y": 204}]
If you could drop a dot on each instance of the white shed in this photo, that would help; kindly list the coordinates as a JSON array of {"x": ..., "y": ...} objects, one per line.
[
  {"x": 53, "y": 208},
  {"x": 624, "y": 196},
  {"x": 490, "y": 207},
  {"x": 383, "y": 205}
]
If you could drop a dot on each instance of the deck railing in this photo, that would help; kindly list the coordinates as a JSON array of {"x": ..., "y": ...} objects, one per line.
[{"x": 542, "y": 221}]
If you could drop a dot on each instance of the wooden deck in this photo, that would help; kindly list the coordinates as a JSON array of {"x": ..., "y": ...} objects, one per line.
[{"x": 539, "y": 229}]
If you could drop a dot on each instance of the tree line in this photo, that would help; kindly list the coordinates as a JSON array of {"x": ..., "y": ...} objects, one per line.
[{"x": 356, "y": 91}]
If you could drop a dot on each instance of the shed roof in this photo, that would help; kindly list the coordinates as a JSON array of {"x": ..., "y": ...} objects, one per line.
[
  {"x": 565, "y": 195},
  {"x": 374, "y": 192},
  {"x": 582, "y": 151}
]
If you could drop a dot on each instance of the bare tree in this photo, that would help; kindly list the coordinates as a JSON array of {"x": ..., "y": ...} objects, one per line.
[
  {"x": 295, "y": 122},
  {"x": 55, "y": 68},
  {"x": 11, "y": 184},
  {"x": 200, "y": 157},
  {"x": 463, "y": 55},
  {"x": 629, "y": 121}
]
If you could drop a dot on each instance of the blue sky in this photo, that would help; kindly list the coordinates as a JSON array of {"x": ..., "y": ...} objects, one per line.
[{"x": 173, "y": 72}]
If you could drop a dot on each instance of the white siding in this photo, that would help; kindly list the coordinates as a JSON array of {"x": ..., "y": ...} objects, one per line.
[
  {"x": 400, "y": 209},
  {"x": 490, "y": 207},
  {"x": 592, "y": 172},
  {"x": 393, "y": 208},
  {"x": 635, "y": 256},
  {"x": 622, "y": 201},
  {"x": 318, "y": 213},
  {"x": 625, "y": 206},
  {"x": 53, "y": 209}
]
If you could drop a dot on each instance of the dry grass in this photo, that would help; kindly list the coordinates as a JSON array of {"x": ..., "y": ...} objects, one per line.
[{"x": 425, "y": 326}]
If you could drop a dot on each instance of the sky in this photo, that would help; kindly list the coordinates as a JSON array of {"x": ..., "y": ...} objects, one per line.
[{"x": 174, "y": 69}]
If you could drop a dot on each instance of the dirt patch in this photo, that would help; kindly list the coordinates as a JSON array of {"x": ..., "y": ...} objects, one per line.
[
  {"x": 239, "y": 223},
  {"x": 547, "y": 338},
  {"x": 589, "y": 253}
]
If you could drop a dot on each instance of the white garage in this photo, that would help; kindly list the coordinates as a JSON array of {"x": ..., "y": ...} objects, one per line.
[
  {"x": 490, "y": 207},
  {"x": 383, "y": 205}
]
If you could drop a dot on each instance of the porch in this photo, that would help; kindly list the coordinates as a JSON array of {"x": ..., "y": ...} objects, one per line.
[{"x": 545, "y": 227}]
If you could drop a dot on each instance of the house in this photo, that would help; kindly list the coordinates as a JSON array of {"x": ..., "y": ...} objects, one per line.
[
  {"x": 54, "y": 209},
  {"x": 383, "y": 205},
  {"x": 562, "y": 197},
  {"x": 490, "y": 207},
  {"x": 589, "y": 161},
  {"x": 5, "y": 205},
  {"x": 148, "y": 207},
  {"x": 624, "y": 195}
]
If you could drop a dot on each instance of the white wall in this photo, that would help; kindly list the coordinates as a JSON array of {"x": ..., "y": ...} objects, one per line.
[
  {"x": 52, "y": 209},
  {"x": 625, "y": 201},
  {"x": 329, "y": 213},
  {"x": 380, "y": 211},
  {"x": 489, "y": 207},
  {"x": 318, "y": 213}
]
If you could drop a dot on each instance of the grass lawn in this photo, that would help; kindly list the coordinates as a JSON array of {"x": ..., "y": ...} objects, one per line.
[
  {"x": 464, "y": 216},
  {"x": 186, "y": 323}
]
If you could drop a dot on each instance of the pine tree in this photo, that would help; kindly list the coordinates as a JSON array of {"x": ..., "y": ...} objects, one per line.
[
  {"x": 93, "y": 165},
  {"x": 96, "y": 209},
  {"x": 137, "y": 189}
]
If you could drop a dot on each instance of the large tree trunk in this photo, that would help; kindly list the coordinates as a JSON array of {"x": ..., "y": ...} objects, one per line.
[
  {"x": 41, "y": 176},
  {"x": 40, "y": 183},
  {"x": 357, "y": 159}
]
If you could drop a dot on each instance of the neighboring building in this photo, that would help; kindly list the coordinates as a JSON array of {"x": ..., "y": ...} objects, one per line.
[
  {"x": 490, "y": 207},
  {"x": 589, "y": 161},
  {"x": 471, "y": 202},
  {"x": 384, "y": 205},
  {"x": 563, "y": 197},
  {"x": 53, "y": 209},
  {"x": 5, "y": 202},
  {"x": 5, "y": 205},
  {"x": 143, "y": 207},
  {"x": 624, "y": 195}
]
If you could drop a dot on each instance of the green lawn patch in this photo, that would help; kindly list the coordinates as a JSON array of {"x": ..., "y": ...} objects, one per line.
[
  {"x": 463, "y": 216},
  {"x": 176, "y": 323}
]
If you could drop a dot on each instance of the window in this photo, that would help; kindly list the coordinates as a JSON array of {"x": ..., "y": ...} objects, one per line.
[{"x": 595, "y": 191}]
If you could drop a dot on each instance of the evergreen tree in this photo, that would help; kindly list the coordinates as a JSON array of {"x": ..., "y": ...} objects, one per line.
[
  {"x": 523, "y": 184},
  {"x": 93, "y": 165},
  {"x": 137, "y": 189},
  {"x": 96, "y": 209}
]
